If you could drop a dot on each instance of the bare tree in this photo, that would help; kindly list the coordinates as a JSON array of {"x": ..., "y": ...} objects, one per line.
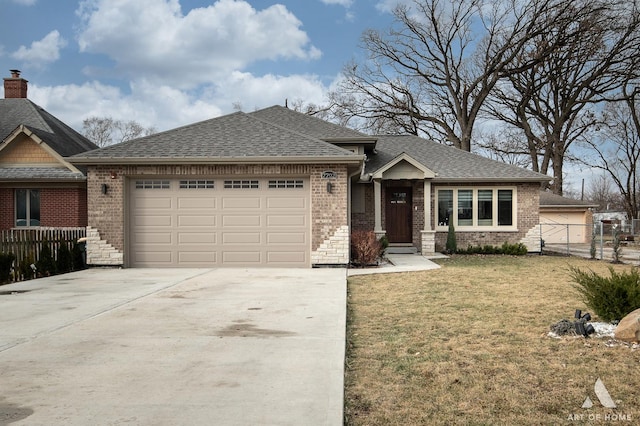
[
  {"x": 618, "y": 149},
  {"x": 553, "y": 103},
  {"x": 431, "y": 73},
  {"x": 104, "y": 131},
  {"x": 601, "y": 192}
]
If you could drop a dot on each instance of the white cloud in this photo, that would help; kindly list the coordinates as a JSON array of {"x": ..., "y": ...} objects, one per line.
[
  {"x": 155, "y": 39},
  {"x": 43, "y": 51},
  {"x": 345, "y": 3},
  {"x": 389, "y": 5},
  {"x": 165, "y": 107}
]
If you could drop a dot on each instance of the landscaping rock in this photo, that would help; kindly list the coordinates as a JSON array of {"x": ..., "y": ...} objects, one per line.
[
  {"x": 563, "y": 327},
  {"x": 629, "y": 328}
]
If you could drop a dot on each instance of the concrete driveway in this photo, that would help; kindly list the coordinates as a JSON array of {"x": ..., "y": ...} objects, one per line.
[{"x": 174, "y": 347}]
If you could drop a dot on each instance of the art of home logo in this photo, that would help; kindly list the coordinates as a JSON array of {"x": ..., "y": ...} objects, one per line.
[{"x": 607, "y": 402}]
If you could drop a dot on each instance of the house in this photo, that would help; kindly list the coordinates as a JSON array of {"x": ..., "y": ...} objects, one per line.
[
  {"x": 38, "y": 186},
  {"x": 279, "y": 188},
  {"x": 564, "y": 220}
]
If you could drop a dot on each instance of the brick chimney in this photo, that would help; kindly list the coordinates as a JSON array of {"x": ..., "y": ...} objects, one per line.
[{"x": 15, "y": 86}]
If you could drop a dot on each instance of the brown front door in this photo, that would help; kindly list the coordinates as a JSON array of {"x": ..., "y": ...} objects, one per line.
[{"x": 398, "y": 214}]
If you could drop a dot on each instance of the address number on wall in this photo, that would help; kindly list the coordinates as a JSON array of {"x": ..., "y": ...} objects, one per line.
[{"x": 329, "y": 174}]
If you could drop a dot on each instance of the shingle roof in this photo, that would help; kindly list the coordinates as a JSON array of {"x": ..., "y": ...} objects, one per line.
[
  {"x": 38, "y": 173},
  {"x": 56, "y": 134},
  {"x": 237, "y": 135},
  {"x": 450, "y": 164},
  {"x": 307, "y": 124},
  {"x": 548, "y": 199}
]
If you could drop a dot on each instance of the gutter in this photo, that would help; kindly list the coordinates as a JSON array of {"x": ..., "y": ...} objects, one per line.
[{"x": 335, "y": 159}]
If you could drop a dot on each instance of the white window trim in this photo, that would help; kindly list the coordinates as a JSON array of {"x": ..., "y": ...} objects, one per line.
[
  {"x": 28, "y": 208},
  {"x": 475, "y": 228}
]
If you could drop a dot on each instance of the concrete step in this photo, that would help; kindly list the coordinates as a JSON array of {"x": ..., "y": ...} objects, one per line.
[{"x": 401, "y": 250}]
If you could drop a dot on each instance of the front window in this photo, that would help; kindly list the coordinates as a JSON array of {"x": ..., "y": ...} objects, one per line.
[
  {"x": 505, "y": 208},
  {"x": 475, "y": 207},
  {"x": 27, "y": 207},
  {"x": 445, "y": 206}
]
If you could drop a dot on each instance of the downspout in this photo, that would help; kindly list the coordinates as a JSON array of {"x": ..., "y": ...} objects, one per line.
[{"x": 360, "y": 172}]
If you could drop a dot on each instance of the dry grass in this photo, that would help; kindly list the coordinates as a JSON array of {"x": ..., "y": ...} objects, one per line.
[{"x": 467, "y": 344}]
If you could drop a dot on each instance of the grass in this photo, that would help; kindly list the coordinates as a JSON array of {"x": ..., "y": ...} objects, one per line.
[{"x": 467, "y": 344}]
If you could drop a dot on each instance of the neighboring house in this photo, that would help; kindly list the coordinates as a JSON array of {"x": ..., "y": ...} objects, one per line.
[
  {"x": 279, "y": 188},
  {"x": 38, "y": 186},
  {"x": 565, "y": 220}
]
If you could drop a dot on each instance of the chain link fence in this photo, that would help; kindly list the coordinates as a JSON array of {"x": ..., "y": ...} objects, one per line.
[{"x": 594, "y": 241}]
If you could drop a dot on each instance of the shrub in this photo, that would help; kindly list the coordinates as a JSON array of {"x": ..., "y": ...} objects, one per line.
[
  {"x": 610, "y": 298},
  {"x": 617, "y": 248},
  {"x": 592, "y": 247},
  {"x": 365, "y": 248},
  {"x": 518, "y": 249},
  {"x": 78, "y": 256},
  {"x": 384, "y": 243},
  {"x": 64, "y": 262},
  {"x": 452, "y": 244},
  {"x": 24, "y": 268},
  {"x": 6, "y": 260},
  {"x": 46, "y": 265}
]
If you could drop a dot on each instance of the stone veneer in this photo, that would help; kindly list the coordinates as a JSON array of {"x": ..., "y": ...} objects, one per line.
[
  {"x": 106, "y": 212},
  {"x": 334, "y": 250}
]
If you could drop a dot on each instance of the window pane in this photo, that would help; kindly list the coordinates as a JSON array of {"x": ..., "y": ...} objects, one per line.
[
  {"x": 505, "y": 207},
  {"x": 21, "y": 207},
  {"x": 445, "y": 206},
  {"x": 485, "y": 207},
  {"x": 465, "y": 207},
  {"x": 34, "y": 207}
]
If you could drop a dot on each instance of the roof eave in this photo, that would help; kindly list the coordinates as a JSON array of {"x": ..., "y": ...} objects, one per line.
[
  {"x": 491, "y": 180},
  {"x": 568, "y": 206},
  {"x": 335, "y": 159}
]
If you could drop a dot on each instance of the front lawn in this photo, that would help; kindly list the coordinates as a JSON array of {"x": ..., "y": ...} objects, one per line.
[{"x": 467, "y": 344}]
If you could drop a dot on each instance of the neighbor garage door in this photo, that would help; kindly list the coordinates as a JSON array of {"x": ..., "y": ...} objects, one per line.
[{"x": 219, "y": 222}]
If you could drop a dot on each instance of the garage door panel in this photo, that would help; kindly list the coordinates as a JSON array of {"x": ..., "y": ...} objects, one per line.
[
  {"x": 286, "y": 238},
  {"x": 241, "y": 238},
  {"x": 197, "y": 257},
  {"x": 152, "y": 221},
  {"x": 286, "y": 220},
  {"x": 154, "y": 257},
  {"x": 284, "y": 257},
  {"x": 199, "y": 223},
  {"x": 197, "y": 238},
  {"x": 152, "y": 237},
  {"x": 186, "y": 220},
  {"x": 206, "y": 202},
  {"x": 153, "y": 203},
  {"x": 287, "y": 203},
  {"x": 242, "y": 257},
  {"x": 241, "y": 220},
  {"x": 242, "y": 203}
]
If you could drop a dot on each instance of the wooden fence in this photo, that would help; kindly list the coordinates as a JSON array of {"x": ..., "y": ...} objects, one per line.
[{"x": 26, "y": 244}]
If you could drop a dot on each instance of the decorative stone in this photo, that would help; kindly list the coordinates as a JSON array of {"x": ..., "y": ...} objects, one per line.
[{"x": 629, "y": 328}]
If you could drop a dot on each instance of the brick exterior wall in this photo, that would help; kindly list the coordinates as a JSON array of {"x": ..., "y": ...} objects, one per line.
[
  {"x": 329, "y": 240},
  {"x": 7, "y": 204},
  {"x": 527, "y": 211},
  {"x": 364, "y": 221},
  {"x": 59, "y": 207}
]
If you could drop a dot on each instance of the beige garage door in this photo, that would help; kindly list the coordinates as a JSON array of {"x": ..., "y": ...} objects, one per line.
[{"x": 219, "y": 222}]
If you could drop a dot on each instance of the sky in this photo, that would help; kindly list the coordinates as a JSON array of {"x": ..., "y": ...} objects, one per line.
[{"x": 166, "y": 63}]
